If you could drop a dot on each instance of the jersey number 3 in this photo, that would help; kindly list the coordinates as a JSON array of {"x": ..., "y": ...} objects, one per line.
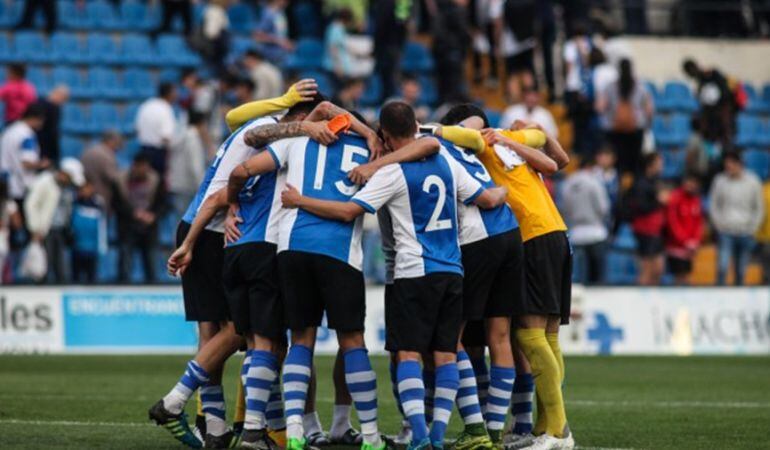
[{"x": 435, "y": 224}]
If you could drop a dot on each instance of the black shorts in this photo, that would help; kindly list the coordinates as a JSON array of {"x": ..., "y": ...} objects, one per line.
[
  {"x": 390, "y": 322},
  {"x": 548, "y": 273},
  {"x": 494, "y": 276},
  {"x": 313, "y": 283},
  {"x": 204, "y": 294},
  {"x": 679, "y": 266},
  {"x": 426, "y": 313},
  {"x": 474, "y": 334},
  {"x": 250, "y": 277},
  {"x": 648, "y": 246}
]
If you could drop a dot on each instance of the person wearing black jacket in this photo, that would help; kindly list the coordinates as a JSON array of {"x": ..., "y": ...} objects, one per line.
[
  {"x": 48, "y": 136},
  {"x": 646, "y": 209},
  {"x": 450, "y": 44}
]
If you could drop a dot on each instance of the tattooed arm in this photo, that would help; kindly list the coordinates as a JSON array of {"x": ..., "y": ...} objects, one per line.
[
  {"x": 260, "y": 137},
  {"x": 327, "y": 110}
]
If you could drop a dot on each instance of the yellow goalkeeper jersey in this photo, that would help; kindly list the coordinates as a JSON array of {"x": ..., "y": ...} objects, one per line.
[{"x": 527, "y": 195}]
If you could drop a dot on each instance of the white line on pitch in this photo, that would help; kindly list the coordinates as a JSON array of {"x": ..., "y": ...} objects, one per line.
[
  {"x": 73, "y": 423},
  {"x": 671, "y": 404}
]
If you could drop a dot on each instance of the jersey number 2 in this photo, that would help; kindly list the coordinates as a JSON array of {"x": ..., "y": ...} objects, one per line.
[{"x": 435, "y": 224}]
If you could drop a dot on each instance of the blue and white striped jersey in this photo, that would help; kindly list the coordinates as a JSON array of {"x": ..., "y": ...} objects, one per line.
[
  {"x": 319, "y": 171},
  {"x": 422, "y": 199},
  {"x": 232, "y": 152},
  {"x": 476, "y": 223},
  {"x": 260, "y": 208}
]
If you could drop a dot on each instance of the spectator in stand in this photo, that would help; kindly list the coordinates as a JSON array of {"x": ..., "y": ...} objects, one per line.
[
  {"x": 48, "y": 209},
  {"x": 450, "y": 44},
  {"x": 266, "y": 77},
  {"x": 343, "y": 57},
  {"x": 10, "y": 220},
  {"x": 187, "y": 163},
  {"x": 606, "y": 171},
  {"x": 391, "y": 18},
  {"x": 646, "y": 203},
  {"x": 89, "y": 234},
  {"x": 156, "y": 125},
  {"x": 173, "y": 8},
  {"x": 17, "y": 93},
  {"x": 349, "y": 94},
  {"x": 716, "y": 103},
  {"x": 101, "y": 166},
  {"x": 627, "y": 107},
  {"x": 49, "y": 135},
  {"x": 358, "y": 11},
  {"x": 530, "y": 111},
  {"x": 216, "y": 35},
  {"x": 585, "y": 206},
  {"x": 484, "y": 42},
  {"x": 30, "y": 11},
  {"x": 272, "y": 33},
  {"x": 736, "y": 208},
  {"x": 684, "y": 227},
  {"x": 410, "y": 94},
  {"x": 20, "y": 153},
  {"x": 763, "y": 236},
  {"x": 578, "y": 94},
  {"x": 514, "y": 25},
  {"x": 243, "y": 91},
  {"x": 141, "y": 205}
]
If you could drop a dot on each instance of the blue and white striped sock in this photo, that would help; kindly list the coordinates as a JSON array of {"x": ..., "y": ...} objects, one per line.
[
  {"x": 429, "y": 378},
  {"x": 447, "y": 383},
  {"x": 500, "y": 386},
  {"x": 193, "y": 378},
  {"x": 362, "y": 384},
  {"x": 467, "y": 395},
  {"x": 245, "y": 368},
  {"x": 213, "y": 406},
  {"x": 523, "y": 393},
  {"x": 411, "y": 391},
  {"x": 394, "y": 386},
  {"x": 482, "y": 381},
  {"x": 296, "y": 378},
  {"x": 274, "y": 413},
  {"x": 261, "y": 377}
]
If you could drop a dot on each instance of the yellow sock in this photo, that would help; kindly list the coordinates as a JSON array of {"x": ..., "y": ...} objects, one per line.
[
  {"x": 545, "y": 370},
  {"x": 553, "y": 342},
  {"x": 542, "y": 418},
  {"x": 240, "y": 403},
  {"x": 199, "y": 409}
]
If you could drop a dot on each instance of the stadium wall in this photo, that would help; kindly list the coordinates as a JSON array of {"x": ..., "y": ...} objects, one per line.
[{"x": 655, "y": 321}]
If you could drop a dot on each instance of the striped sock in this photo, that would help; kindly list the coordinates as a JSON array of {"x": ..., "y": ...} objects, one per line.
[
  {"x": 296, "y": 377},
  {"x": 362, "y": 384},
  {"x": 193, "y": 378},
  {"x": 213, "y": 401},
  {"x": 262, "y": 374},
  {"x": 482, "y": 381},
  {"x": 500, "y": 386},
  {"x": 447, "y": 383},
  {"x": 467, "y": 395},
  {"x": 274, "y": 412},
  {"x": 411, "y": 391},
  {"x": 394, "y": 387},
  {"x": 429, "y": 378},
  {"x": 245, "y": 366},
  {"x": 523, "y": 392},
  {"x": 240, "y": 396}
]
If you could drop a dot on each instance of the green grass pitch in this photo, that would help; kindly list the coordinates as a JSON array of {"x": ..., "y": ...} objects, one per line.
[{"x": 83, "y": 402}]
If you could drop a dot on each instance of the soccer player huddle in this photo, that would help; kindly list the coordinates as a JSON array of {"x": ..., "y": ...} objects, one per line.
[{"x": 477, "y": 257}]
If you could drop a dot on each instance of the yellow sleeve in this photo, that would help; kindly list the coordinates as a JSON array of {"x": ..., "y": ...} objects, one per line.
[
  {"x": 260, "y": 108},
  {"x": 464, "y": 137},
  {"x": 529, "y": 137}
]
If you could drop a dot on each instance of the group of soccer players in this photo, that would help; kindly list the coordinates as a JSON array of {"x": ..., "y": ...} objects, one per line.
[{"x": 477, "y": 257}]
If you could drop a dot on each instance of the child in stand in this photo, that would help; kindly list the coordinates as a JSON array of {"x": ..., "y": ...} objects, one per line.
[{"x": 89, "y": 234}]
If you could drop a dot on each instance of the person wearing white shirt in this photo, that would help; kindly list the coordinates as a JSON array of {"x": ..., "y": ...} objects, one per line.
[
  {"x": 530, "y": 111},
  {"x": 267, "y": 78},
  {"x": 156, "y": 125},
  {"x": 20, "y": 152},
  {"x": 187, "y": 163}
]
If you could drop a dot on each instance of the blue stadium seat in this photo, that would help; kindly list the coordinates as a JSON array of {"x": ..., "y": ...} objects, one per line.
[
  {"x": 494, "y": 117},
  {"x": 2, "y": 112},
  {"x": 306, "y": 13},
  {"x": 373, "y": 92},
  {"x": 70, "y": 146},
  {"x": 136, "y": 49},
  {"x": 66, "y": 48},
  {"x": 74, "y": 119},
  {"x": 757, "y": 161},
  {"x": 107, "y": 84},
  {"x": 241, "y": 18},
  {"x": 652, "y": 89},
  {"x": 174, "y": 49},
  {"x": 139, "y": 83},
  {"x": 40, "y": 79},
  {"x": 620, "y": 268},
  {"x": 624, "y": 238},
  {"x": 325, "y": 83},
  {"x": 6, "y": 50},
  {"x": 135, "y": 16},
  {"x": 74, "y": 15},
  {"x": 308, "y": 55},
  {"x": 71, "y": 77},
  {"x": 673, "y": 164},
  {"x": 104, "y": 116},
  {"x": 677, "y": 96},
  {"x": 10, "y": 13},
  {"x": 104, "y": 15},
  {"x": 101, "y": 49},
  {"x": 128, "y": 117},
  {"x": 30, "y": 47},
  {"x": 169, "y": 74},
  {"x": 428, "y": 90},
  {"x": 748, "y": 127},
  {"x": 673, "y": 132},
  {"x": 416, "y": 58},
  {"x": 238, "y": 46},
  {"x": 756, "y": 104}
]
